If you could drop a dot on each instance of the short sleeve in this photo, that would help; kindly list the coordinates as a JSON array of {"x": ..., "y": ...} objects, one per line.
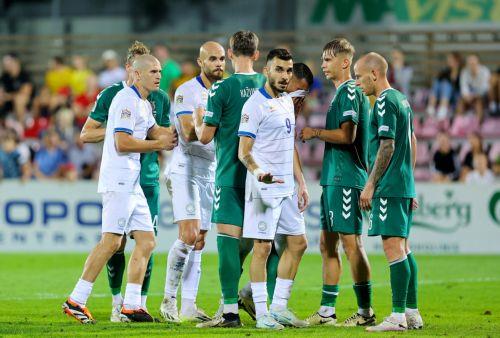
[
  {"x": 386, "y": 115},
  {"x": 217, "y": 98},
  {"x": 349, "y": 103},
  {"x": 251, "y": 116},
  {"x": 124, "y": 116},
  {"x": 165, "y": 114},
  {"x": 101, "y": 107},
  {"x": 183, "y": 102}
]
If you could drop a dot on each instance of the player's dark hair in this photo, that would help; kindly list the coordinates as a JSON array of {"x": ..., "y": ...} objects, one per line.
[
  {"x": 244, "y": 43},
  {"x": 280, "y": 53},
  {"x": 58, "y": 59},
  {"x": 302, "y": 71},
  {"x": 339, "y": 46},
  {"x": 137, "y": 48}
]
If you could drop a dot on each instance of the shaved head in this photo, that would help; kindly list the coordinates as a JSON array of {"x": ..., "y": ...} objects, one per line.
[
  {"x": 209, "y": 48},
  {"x": 212, "y": 61},
  {"x": 143, "y": 62},
  {"x": 374, "y": 61}
]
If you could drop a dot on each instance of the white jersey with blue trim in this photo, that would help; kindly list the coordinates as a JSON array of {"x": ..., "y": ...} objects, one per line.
[
  {"x": 191, "y": 158},
  {"x": 271, "y": 123},
  {"x": 130, "y": 114}
]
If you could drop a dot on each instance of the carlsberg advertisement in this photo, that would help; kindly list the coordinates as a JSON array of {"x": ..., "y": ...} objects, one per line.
[{"x": 41, "y": 216}]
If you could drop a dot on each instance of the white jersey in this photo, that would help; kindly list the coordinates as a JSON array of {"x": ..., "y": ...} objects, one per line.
[
  {"x": 271, "y": 123},
  {"x": 130, "y": 114},
  {"x": 192, "y": 158}
]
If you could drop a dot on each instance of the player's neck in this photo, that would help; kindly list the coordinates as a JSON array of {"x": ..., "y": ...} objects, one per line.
[
  {"x": 338, "y": 82},
  {"x": 143, "y": 92},
  {"x": 269, "y": 90},
  {"x": 383, "y": 86},
  {"x": 243, "y": 65},
  {"x": 206, "y": 81}
]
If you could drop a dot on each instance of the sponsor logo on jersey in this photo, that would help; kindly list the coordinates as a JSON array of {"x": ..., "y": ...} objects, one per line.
[{"x": 262, "y": 226}]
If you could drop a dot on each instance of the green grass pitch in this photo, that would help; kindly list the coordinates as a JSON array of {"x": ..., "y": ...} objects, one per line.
[{"x": 459, "y": 296}]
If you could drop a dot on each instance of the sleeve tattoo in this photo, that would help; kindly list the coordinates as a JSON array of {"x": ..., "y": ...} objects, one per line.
[{"x": 382, "y": 161}]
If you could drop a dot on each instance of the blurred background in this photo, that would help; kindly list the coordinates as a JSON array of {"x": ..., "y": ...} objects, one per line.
[{"x": 57, "y": 56}]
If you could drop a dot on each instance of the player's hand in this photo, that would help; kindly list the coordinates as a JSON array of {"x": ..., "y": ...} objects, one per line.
[
  {"x": 298, "y": 104},
  {"x": 169, "y": 139},
  {"x": 414, "y": 204},
  {"x": 268, "y": 178},
  {"x": 303, "y": 196},
  {"x": 306, "y": 134},
  {"x": 199, "y": 112},
  {"x": 365, "y": 199}
]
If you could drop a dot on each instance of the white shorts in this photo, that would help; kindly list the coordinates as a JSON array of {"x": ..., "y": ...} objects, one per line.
[
  {"x": 124, "y": 212},
  {"x": 268, "y": 216},
  {"x": 191, "y": 198}
]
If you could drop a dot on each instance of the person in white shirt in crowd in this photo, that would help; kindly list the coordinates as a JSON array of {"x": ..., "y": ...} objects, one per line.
[
  {"x": 481, "y": 175},
  {"x": 113, "y": 72},
  {"x": 474, "y": 86}
]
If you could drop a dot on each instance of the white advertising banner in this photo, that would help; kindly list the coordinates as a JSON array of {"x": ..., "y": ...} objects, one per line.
[{"x": 66, "y": 217}]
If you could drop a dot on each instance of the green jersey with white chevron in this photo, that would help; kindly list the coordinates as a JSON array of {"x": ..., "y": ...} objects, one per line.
[
  {"x": 150, "y": 168},
  {"x": 392, "y": 118},
  {"x": 225, "y": 101},
  {"x": 346, "y": 165}
]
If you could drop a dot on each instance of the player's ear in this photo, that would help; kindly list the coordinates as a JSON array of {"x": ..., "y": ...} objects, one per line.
[
  {"x": 256, "y": 55},
  {"x": 230, "y": 53},
  {"x": 374, "y": 75},
  {"x": 200, "y": 63}
]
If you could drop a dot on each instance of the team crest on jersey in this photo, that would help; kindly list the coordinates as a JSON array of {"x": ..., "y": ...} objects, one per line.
[
  {"x": 262, "y": 226},
  {"x": 179, "y": 99},
  {"x": 125, "y": 115},
  {"x": 153, "y": 107},
  {"x": 244, "y": 118}
]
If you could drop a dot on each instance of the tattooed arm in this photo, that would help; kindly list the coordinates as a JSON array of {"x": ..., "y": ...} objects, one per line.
[
  {"x": 245, "y": 156},
  {"x": 384, "y": 156}
]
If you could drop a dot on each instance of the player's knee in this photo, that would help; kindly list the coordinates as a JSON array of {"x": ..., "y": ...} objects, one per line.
[
  {"x": 262, "y": 249},
  {"x": 189, "y": 237},
  {"x": 300, "y": 246},
  {"x": 147, "y": 245}
]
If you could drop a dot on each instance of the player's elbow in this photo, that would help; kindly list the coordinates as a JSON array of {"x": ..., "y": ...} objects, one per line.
[
  {"x": 121, "y": 143},
  {"x": 204, "y": 138}
]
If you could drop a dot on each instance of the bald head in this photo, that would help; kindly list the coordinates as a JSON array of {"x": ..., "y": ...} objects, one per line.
[
  {"x": 209, "y": 48},
  {"x": 143, "y": 62},
  {"x": 212, "y": 60},
  {"x": 374, "y": 61}
]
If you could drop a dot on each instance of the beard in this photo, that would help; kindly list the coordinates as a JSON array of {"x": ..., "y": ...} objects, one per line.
[
  {"x": 215, "y": 75},
  {"x": 275, "y": 85}
]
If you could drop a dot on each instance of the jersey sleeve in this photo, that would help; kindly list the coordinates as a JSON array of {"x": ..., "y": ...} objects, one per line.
[
  {"x": 165, "y": 114},
  {"x": 183, "y": 102},
  {"x": 101, "y": 107},
  {"x": 251, "y": 116},
  {"x": 387, "y": 118},
  {"x": 349, "y": 104},
  {"x": 217, "y": 99},
  {"x": 124, "y": 115}
]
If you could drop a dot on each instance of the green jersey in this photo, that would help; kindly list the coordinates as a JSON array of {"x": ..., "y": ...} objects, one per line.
[
  {"x": 392, "y": 118},
  {"x": 150, "y": 168},
  {"x": 225, "y": 101},
  {"x": 347, "y": 165}
]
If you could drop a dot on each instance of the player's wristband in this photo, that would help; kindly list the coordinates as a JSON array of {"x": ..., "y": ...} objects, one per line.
[{"x": 258, "y": 172}]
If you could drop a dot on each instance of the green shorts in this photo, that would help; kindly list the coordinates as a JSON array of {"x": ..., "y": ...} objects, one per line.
[
  {"x": 390, "y": 217},
  {"x": 340, "y": 211},
  {"x": 152, "y": 194},
  {"x": 228, "y": 206}
]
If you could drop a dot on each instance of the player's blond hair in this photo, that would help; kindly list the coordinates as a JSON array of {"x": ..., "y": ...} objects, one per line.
[
  {"x": 137, "y": 48},
  {"x": 340, "y": 46}
]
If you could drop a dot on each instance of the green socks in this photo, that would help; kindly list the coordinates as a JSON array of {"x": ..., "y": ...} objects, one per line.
[
  {"x": 272, "y": 272},
  {"x": 411, "y": 298},
  {"x": 229, "y": 267},
  {"x": 116, "y": 268},
  {"x": 147, "y": 277},
  {"x": 363, "y": 291},
  {"x": 329, "y": 295},
  {"x": 400, "y": 278}
]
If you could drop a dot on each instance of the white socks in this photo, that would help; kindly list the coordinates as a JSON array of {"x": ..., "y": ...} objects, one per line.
[
  {"x": 365, "y": 312},
  {"x": 132, "y": 299},
  {"x": 117, "y": 299},
  {"x": 282, "y": 293},
  {"x": 326, "y": 311},
  {"x": 81, "y": 292},
  {"x": 144, "y": 298},
  {"x": 191, "y": 280},
  {"x": 400, "y": 317},
  {"x": 231, "y": 308},
  {"x": 259, "y": 295},
  {"x": 177, "y": 257}
]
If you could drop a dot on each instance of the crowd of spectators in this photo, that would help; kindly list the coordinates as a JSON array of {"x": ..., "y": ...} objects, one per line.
[{"x": 40, "y": 123}]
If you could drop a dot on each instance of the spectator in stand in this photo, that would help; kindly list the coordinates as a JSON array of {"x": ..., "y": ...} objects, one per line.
[
  {"x": 84, "y": 157},
  {"x": 446, "y": 167},
  {"x": 80, "y": 75},
  {"x": 14, "y": 158},
  {"x": 446, "y": 87},
  {"x": 474, "y": 86},
  {"x": 481, "y": 175},
  {"x": 170, "y": 69},
  {"x": 58, "y": 77},
  {"x": 16, "y": 88},
  {"x": 51, "y": 161},
  {"x": 400, "y": 74},
  {"x": 494, "y": 93},
  {"x": 83, "y": 103},
  {"x": 112, "y": 72},
  {"x": 188, "y": 71},
  {"x": 476, "y": 149}
]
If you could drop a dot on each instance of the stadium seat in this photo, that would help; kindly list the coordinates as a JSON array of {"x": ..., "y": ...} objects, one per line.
[
  {"x": 463, "y": 152},
  {"x": 423, "y": 155},
  {"x": 317, "y": 155},
  {"x": 491, "y": 127},
  {"x": 463, "y": 125},
  {"x": 317, "y": 121},
  {"x": 430, "y": 128},
  {"x": 422, "y": 174}
]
